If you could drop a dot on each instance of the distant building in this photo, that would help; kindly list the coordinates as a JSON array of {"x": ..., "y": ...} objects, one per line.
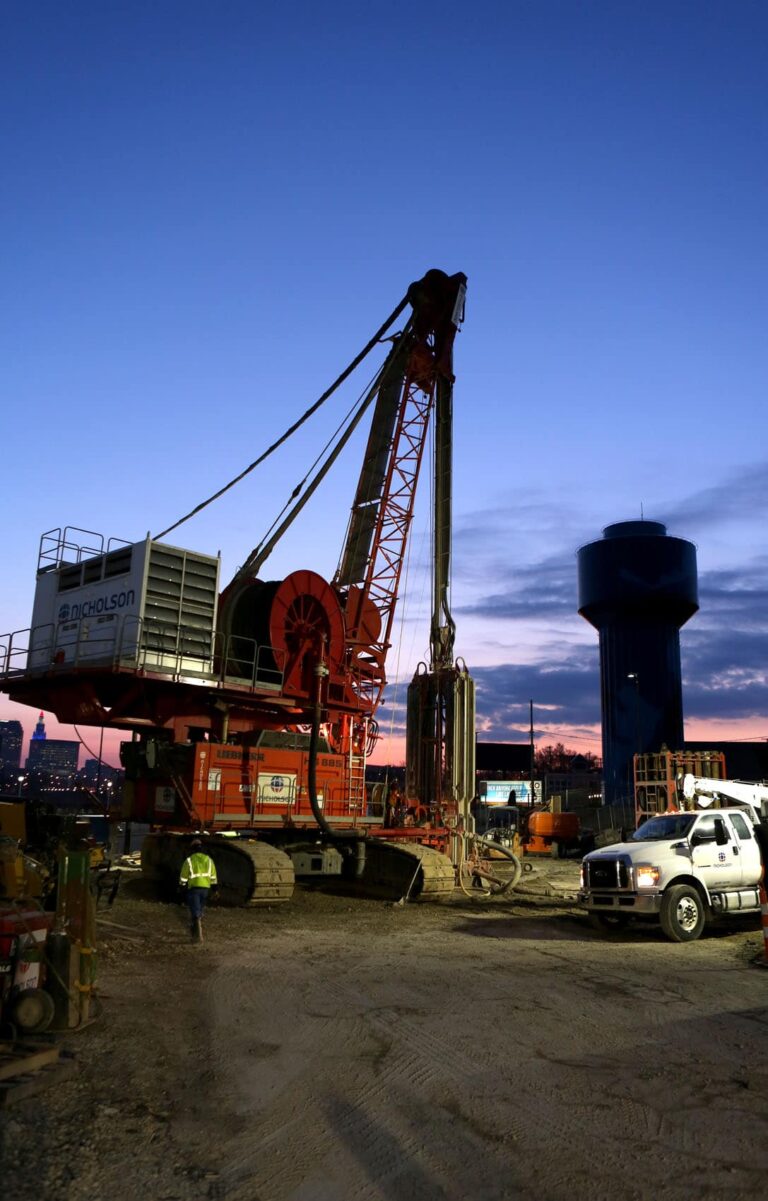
[
  {"x": 52, "y": 756},
  {"x": 572, "y": 785},
  {"x": 40, "y": 734},
  {"x": 11, "y": 739},
  {"x": 55, "y": 756},
  {"x": 95, "y": 771},
  {"x": 506, "y": 759}
]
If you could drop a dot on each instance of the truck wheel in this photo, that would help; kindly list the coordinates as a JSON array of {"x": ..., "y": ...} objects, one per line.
[{"x": 682, "y": 913}]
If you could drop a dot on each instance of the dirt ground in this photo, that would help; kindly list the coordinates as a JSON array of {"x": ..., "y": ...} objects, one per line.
[{"x": 337, "y": 1048}]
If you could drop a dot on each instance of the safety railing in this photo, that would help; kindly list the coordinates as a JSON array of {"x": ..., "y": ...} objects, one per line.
[
  {"x": 143, "y": 645},
  {"x": 239, "y": 804},
  {"x": 70, "y": 544},
  {"x": 245, "y": 661},
  {"x": 14, "y": 650}
]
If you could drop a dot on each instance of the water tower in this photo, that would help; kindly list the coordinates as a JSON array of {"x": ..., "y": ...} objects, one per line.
[{"x": 637, "y": 587}]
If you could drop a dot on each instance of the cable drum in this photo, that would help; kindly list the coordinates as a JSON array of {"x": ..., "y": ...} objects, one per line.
[
  {"x": 280, "y": 629},
  {"x": 306, "y": 625},
  {"x": 245, "y": 630}
]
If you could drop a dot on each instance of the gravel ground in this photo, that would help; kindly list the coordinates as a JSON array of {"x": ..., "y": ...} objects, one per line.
[{"x": 339, "y": 1048}]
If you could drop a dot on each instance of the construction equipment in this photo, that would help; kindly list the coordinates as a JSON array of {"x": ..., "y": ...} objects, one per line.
[
  {"x": 20, "y": 874},
  {"x": 700, "y": 792},
  {"x": 551, "y": 833},
  {"x": 656, "y": 776},
  {"x": 24, "y": 930},
  {"x": 684, "y": 866},
  {"x": 683, "y": 869},
  {"x": 253, "y": 712},
  {"x": 530, "y": 831},
  {"x": 31, "y": 837},
  {"x": 48, "y": 960},
  {"x": 24, "y": 873}
]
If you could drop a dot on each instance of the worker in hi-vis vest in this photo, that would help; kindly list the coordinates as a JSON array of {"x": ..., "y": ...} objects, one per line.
[{"x": 198, "y": 877}]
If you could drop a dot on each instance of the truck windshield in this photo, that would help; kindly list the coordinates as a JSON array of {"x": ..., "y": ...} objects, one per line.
[{"x": 669, "y": 825}]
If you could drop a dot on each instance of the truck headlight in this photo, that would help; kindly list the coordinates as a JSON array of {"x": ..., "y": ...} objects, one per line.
[{"x": 646, "y": 875}]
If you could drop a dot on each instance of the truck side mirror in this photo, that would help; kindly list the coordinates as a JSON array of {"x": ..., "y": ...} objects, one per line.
[{"x": 721, "y": 834}]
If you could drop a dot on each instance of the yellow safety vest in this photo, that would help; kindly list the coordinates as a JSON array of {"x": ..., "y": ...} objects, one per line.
[{"x": 199, "y": 871}]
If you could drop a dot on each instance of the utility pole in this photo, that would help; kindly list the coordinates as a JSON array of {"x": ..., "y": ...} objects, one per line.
[{"x": 533, "y": 758}]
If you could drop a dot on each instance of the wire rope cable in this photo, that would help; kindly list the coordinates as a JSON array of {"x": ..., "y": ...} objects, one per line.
[
  {"x": 372, "y": 342},
  {"x": 332, "y": 448},
  {"x": 84, "y": 744}
]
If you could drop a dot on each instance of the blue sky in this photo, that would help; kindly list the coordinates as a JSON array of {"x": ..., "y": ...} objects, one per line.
[{"x": 207, "y": 208}]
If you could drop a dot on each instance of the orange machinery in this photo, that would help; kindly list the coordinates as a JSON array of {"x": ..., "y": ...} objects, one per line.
[
  {"x": 551, "y": 833},
  {"x": 255, "y": 708}
]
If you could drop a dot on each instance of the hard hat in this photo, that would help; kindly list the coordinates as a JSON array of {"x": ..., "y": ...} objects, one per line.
[{"x": 196, "y": 844}]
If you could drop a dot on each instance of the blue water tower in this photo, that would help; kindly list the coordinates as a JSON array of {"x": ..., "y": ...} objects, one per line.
[{"x": 637, "y": 587}]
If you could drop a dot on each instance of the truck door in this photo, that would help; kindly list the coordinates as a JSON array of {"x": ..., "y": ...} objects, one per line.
[
  {"x": 749, "y": 851},
  {"x": 718, "y": 865}
]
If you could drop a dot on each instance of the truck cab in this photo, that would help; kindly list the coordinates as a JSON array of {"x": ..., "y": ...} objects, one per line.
[{"x": 681, "y": 869}]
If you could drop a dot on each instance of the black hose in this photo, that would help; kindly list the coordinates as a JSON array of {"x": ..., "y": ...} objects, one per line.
[
  {"x": 350, "y": 843},
  {"x": 314, "y": 737}
]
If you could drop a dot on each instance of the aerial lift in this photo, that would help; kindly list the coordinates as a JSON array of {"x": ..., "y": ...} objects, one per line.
[{"x": 253, "y": 712}]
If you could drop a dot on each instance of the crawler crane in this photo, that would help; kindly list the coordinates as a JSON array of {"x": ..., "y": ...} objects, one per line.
[{"x": 253, "y": 712}]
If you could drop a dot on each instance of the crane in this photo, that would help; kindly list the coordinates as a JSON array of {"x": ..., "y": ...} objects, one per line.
[
  {"x": 253, "y": 712},
  {"x": 701, "y": 792}
]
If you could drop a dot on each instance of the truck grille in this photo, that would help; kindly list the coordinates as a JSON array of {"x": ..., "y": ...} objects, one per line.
[{"x": 607, "y": 873}]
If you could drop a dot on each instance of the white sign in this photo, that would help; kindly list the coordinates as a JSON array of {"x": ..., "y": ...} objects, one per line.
[
  {"x": 165, "y": 800},
  {"x": 277, "y": 789}
]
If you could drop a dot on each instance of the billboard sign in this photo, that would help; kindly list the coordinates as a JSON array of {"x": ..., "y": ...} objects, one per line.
[{"x": 510, "y": 792}]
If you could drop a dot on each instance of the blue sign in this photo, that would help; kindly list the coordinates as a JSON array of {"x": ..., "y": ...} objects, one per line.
[{"x": 510, "y": 792}]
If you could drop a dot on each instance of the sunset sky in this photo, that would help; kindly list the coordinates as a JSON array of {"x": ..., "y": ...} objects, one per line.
[{"x": 208, "y": 208}]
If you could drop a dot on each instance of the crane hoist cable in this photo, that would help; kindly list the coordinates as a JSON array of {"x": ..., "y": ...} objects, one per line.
[
  {"x": 334, "y": 446},
  {"x": 377, "y": 337},
  {"x": 349, "y": 416},
  {"x": 389, "y": 370}
]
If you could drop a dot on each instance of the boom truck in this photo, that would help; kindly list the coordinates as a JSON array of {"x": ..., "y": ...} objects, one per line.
[
  {"x": 695, "y": 863},
  {"x": 252, "y": 709}
]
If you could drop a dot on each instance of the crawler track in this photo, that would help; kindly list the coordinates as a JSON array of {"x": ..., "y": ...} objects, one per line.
[
  {"x": 407, "y": 870},
  {"x": 250, "y": 872}
]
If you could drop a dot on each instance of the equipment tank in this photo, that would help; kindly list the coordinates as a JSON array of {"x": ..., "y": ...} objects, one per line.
[{"x": 637, "y": 587}]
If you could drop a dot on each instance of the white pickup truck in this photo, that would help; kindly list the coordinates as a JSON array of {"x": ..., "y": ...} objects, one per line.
[{"x": 680, "y": 868}]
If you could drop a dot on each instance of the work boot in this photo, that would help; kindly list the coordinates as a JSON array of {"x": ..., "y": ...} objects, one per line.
[{"x": 197, "y": 930}]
